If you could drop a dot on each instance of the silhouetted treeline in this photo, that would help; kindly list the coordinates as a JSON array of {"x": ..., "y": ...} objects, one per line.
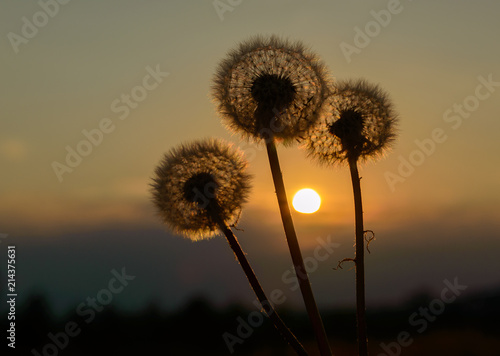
[{"x": 468, "y": 326}]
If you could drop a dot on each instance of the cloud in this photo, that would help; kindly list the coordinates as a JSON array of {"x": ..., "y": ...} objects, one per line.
[
  {"x": 133, "y": 187},
  {"x": 124, "y": 202},
  {"x": 42, "y": 214}
]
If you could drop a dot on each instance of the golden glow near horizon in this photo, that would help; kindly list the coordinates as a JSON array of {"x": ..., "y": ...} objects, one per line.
[
  {"x": 306, "y": 201},
  {"x": 103, "y": 189}
]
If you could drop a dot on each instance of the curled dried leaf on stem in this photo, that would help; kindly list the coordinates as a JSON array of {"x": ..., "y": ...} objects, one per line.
[
  {"x": 344, "y": 260},
  {"x": 368, "y": 239}
]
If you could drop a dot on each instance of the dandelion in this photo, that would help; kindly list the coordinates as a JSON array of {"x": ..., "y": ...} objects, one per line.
[
  {"x": 198, "y": 190},
  {"x": 194, "y": 179},
  {"x": 359, "y": 125},
  {"x": 270, "y": 86},
  {"x": 359, "y": 122},
  {"x": 272, "y": 89}
]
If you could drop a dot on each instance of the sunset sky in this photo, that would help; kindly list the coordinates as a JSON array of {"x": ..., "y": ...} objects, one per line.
[{"x": 139, "y": 73}]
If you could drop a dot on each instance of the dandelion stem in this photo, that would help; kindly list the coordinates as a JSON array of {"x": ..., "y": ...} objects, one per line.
[
  {"x": 359, "y": 259},
  {"x": 259, "y": 292},
  {"x": 293, "y": 245}
]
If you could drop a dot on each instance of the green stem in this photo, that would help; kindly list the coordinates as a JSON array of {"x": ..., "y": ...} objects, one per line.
[
  {"x": 259, "y": 292},
  {"x": 359, "y": 259},
  {"x": 293, "y": 245}
]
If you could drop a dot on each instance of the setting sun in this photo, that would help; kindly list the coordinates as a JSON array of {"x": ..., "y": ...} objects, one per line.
[{"x": 306, "y": 201}]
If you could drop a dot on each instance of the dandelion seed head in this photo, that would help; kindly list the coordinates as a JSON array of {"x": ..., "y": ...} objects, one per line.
[
  {"x": 273, "y": 91},
  {"x": 359, "y": 121},
  {"x": 270, "y": 86},
  {"x": 195, "y": 177},
  {"x": 200, "y": 188}
]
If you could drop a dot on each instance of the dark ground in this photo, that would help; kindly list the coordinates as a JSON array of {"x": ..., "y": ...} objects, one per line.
[{"x": 464, "y": 328}]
